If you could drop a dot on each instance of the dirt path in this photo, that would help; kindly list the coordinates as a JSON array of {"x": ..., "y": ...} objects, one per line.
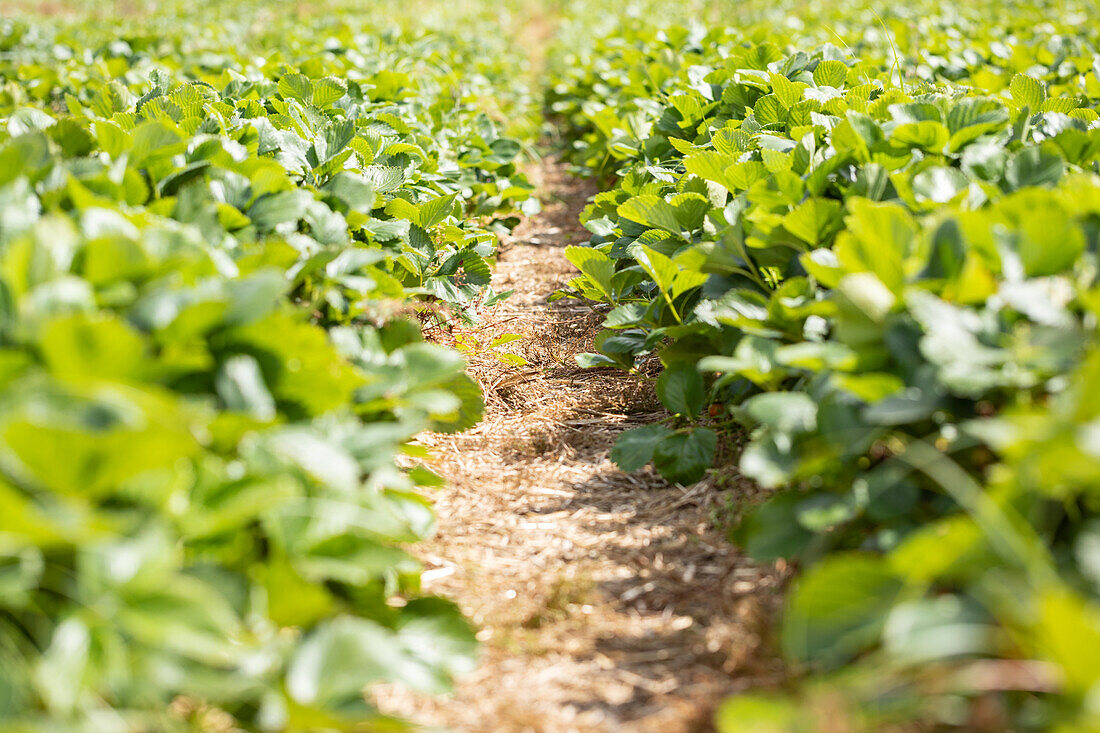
[{"x": 606, "y": 601}]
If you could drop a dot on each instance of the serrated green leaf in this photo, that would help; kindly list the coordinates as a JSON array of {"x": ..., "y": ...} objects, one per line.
[
  {"x": 684, "y": 457},
  {"x": 598, "y": 267},
  {"x": 634, "y": 448},
  {"x": 436, "y": 210},
  {"x": 327, "y": 90},
  {"x": 814, "y": 221},
  {"x": 831, "y": 73},
  {"x": 296, "y": 86},
  {"x": 652, "y": 211},
  {"x": 680, "y": 389},
  {"x": 1027, "y": 92},
  {"x": 660, "y": 268},
  {"x": 710, "y": 166}
]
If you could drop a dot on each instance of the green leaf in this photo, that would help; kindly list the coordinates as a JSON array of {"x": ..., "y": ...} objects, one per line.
[
  {"x": 1034, "y": 166},
  {"x": 838, "y": 608},
  {"x": 754, "y": 359},
  {"x": 338, "y": 659},
  {"x": 870, "y": 386},
  {"x": 817, "y": 356},
  {"x": 400, "y": 208},
  {"x": 300, "y": 365},
  {"x": 592, "y": 361},
  {"x": 652, "y": 211},
  {"x": 596, "y": 266},
  {"x": 63, "y": 665},
  {"x": 814, "y": 221},
  {"x": 1068, "y": 633},
  {"x": 771, "y": 531},
  {"x": 831, "y": 73},
  {"x": 471, "y": 406},
  {"x": 354, "y": 190},
  {"x": 972, "y": 117},
  {"x": 504, "y": 151},
  {"x": 784, "y": 412},
  {"x": 626, "y": 315},
  {"x": 28, "y": 119},
  {"x": 909, "y": 113},
  {"x": 1027, "y": 92},
  {"x": 438, "y": 642},
  {"x": 72, "y": 137},
  {"x": 337, "y": 136},
  {"x": 325, "y": 91},
  {"x": 866, "y": 127},
  {"x": 937, "y": 630},
  {"x": 787, "y": 92},
  {"x": 274, "y": 209},
  {"x": 436, "y": 210},
  {"x": 241, "y": 386},
  {"x": 756, "y": 714},
  {"x": 882, "y": 237},
  {"x": 680, "y": 389},
  {"x": 939, "y": 184},
  {"x": 657, "y": 266},
  {"x": 928, "y": 135},
  {"x": 153, "y": 141},
  {"x": 296, "y": 86},
  {"x": 291, "y": 599},
  {"x": 710, "y": 166},
  {"x": 690, "y": 210},
  {"x": 686, "y": 280},
  {"x": 634, "y": 448},
  {"x": 824, "y": 512},
  {"x": 108, "y": 433},
  {"x": 770, "y": 112},
  {"x": 79, "y": 347},
  {"x": 684, "y": 457},
  {"x": 385, "y": 179},
  {"x": 112, "y": 138}
]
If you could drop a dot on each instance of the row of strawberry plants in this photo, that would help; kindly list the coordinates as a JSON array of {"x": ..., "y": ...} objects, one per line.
[
  {"x": 215, "y": 238},
  {"x": 886, "y": 276}
]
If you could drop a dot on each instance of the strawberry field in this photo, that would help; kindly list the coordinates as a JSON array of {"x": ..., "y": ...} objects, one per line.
[{"x": 247, "y": 251}]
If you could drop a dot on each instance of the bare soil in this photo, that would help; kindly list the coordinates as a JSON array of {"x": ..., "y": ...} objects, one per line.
[{"x": 605, "y": 601}]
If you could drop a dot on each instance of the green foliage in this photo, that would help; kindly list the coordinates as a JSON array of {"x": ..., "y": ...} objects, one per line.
[
  {"x": 210, "y": 243},
  {"x": 880, "y": 264},
  {"x": 877, "y": 259}
]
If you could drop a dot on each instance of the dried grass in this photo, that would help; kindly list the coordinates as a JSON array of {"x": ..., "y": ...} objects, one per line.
[{"x": 606, "y": 601}]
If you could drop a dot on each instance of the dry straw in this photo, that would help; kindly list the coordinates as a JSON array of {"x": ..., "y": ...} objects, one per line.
[{"x": 606, "y": 601}]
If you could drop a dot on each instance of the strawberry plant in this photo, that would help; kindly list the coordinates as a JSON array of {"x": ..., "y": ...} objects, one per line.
[
  {"x": 874, "y": 266},
  {"x": 213, "y": 246},
  {"x": 863, "y": 241}
]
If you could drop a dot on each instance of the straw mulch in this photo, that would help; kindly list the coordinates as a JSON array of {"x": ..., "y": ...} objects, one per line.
[{"x": 605, "y": 601}]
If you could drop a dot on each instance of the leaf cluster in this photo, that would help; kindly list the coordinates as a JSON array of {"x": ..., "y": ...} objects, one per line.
[{"x": 887, "y": 278}]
